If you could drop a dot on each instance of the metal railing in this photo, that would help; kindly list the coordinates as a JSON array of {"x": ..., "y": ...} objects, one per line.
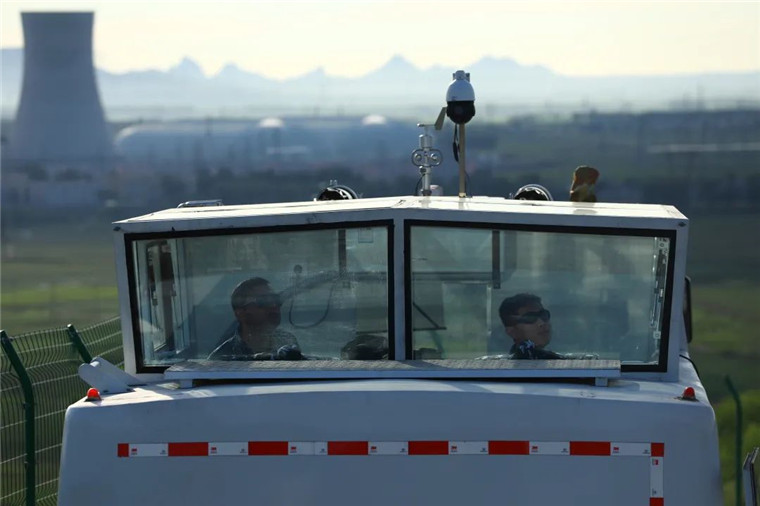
[{"x": 39, "y": 380}]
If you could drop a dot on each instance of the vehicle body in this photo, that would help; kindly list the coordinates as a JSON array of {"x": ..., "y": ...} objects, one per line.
[{"x": 437, "y": 412}]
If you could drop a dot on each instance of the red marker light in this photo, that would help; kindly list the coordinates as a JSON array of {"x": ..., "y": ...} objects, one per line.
[
  {"x": 688, "y": 394},
  {"x": 93, "y": 394}
]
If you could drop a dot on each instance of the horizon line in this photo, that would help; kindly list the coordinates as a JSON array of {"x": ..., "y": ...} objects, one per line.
[{"x": 434, "y": 66}]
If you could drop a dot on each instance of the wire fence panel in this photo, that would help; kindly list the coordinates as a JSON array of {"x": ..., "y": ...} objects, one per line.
[
  {"x": 12, "y": 436},
  {"x": 51, "y": 361}
]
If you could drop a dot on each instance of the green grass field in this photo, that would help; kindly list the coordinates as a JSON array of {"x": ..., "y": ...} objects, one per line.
[
  {"x": 51, "y": 278},
  {"x": 724, "y": 265}
]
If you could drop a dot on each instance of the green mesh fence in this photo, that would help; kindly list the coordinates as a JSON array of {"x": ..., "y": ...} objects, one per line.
[{"x": 49, "y": 359}]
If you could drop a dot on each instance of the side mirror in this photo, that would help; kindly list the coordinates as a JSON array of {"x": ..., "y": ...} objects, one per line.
[{"x": 687, "y": 320}]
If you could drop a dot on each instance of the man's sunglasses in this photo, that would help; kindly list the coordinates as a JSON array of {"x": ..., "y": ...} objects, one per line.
[
  {"x": 268, "y": 300},
  {"x": 533, "y": 317}
]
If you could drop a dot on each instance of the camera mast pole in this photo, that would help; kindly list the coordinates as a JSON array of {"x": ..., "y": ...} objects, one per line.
[
  {"x": 462, "y": 164},
  {"x": 460, "y": 108}
]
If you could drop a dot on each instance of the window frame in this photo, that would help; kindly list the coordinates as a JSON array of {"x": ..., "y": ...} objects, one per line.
[
  {"x": 660, "y": 367},
  {"x": 130, "y": 238}
]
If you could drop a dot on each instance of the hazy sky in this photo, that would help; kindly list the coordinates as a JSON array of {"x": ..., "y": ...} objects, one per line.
[{"x": 286, "y": 38}]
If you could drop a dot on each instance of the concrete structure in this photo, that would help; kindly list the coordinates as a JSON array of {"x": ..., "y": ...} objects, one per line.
[{"x": 60, "y": 117}]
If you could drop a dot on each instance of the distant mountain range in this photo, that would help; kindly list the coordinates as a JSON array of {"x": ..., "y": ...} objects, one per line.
[{"x": 500, "y": 83}]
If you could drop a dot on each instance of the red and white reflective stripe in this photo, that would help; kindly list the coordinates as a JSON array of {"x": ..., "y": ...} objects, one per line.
[
  {"x": 263, "y": 448},
  {"x": 656, "y": 476},
  {"x": 654, "y": 451}
]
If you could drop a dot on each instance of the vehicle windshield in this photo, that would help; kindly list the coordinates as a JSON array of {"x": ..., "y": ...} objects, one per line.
[
  {"x": 473, "y": 291},
  {"x": 249, "y": 296},
  {"x": 551, "y": 293}
]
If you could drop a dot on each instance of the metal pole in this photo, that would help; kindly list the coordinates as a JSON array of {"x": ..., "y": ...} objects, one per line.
[
  {"x": 426, "y": 192},
  {"x": 78, "y": 344},
  {"x": 26, "y": 387},
  {"x": 462, "y": 162},
  {"x": 737, "y": 459}
]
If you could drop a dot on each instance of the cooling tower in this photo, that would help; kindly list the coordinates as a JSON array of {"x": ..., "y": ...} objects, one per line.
[{"x": 59, "y": 116}]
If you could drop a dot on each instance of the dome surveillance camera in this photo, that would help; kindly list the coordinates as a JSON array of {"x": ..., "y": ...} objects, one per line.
[
  {"x": 335, "y": 191},
  {"x": 460, "y": 98},
  {"x": 532, "y": 192}
]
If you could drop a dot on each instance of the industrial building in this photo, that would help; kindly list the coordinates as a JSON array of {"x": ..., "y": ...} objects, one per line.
[{"x": 60, "y": 147}]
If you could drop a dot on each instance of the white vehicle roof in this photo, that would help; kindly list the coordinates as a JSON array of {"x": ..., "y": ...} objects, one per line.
[{"x": 521, "y": 210}]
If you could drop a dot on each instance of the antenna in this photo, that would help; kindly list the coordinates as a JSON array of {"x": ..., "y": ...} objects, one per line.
[{"x": 440, "y": 120}]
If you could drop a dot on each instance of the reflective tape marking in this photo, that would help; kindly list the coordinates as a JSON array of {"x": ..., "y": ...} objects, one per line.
[
  {"x": 320, "y": 448},
  {"x": 188, "y": 449},
  {"x": 656, "y": 477},
  {"x": 267, "y": 448},
  {"x": 549, "y": 448},
  {"x": 468, "y": 448},
  {"x": 631, "y": 449},
  {"x": 590, "y": 448},
  {"x": 149, "y": 450},
  {"x": 428, "y": 447},
  {"x": 577, "y": 448},
  {"x": 227, "y": 449},
  {"x": 654, "y": 451},
  {"x": 300, "y": 448},
  {"x": 388, "y": 448},
  {"x": 509, "y": 447},
  {"x": 348, "y": 448}
]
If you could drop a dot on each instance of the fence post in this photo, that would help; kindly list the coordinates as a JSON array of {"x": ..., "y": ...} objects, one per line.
[
  {"x": 738, "y": 456},
  {"x": 78, "y": 344},
  {"x": 26, "y": 386}
]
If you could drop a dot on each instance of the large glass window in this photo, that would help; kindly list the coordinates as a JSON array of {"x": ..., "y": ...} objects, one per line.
[
  {"x": 570, "y": 294},
  {"x": 289, "y": 295}
]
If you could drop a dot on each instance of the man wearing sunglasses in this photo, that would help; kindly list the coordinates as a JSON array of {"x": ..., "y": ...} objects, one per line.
[
  {"x": 527, "y": 322},
  {"x": 257, "y": 311}
]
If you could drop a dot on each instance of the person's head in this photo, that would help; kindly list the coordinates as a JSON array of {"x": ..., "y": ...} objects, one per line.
[
  {"x": 525, "y": 318},
  {"x": 255, "y": 305}
]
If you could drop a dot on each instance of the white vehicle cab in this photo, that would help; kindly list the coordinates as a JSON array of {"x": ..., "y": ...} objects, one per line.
[{"x": 372, "y": 359}]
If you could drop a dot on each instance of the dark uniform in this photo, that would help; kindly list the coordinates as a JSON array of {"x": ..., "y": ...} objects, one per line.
[
  {"x": 284, "y": 346},
  {"x": 528, "y": 350}
]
